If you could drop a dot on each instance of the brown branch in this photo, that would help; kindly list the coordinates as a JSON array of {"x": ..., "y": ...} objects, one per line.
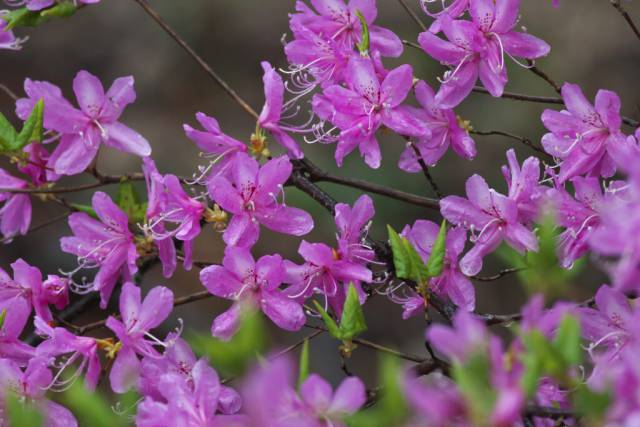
[
  {"x": 8, "y": 91},
  {"x": 522, "y": 97},
  {"x": 219, "y": 80},
  {"x": 425, "y": 170},
  {"x": 521, "y": 139},
  {"x": 413, "y": 15},
  {"x": 616, "y": 4},
  {"x": 538, "y": 72},
  {"x": 500, "y": 274}
]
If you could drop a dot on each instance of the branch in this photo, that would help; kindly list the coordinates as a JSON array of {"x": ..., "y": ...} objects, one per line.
[
  {"x": 538, "y": 72},
  {"x": 39, "y": 226},
  {"x": 549, "y": 412},
  {"x": 616, "y": 4},
  {"x": 522, "y": 97},
  {"x": 425, "y": 170},
  {"x": 523, "y": 140},
  {"x": 502, "y": 273},
  {"x": 219, "y": 80},
  {"x": 8, "y": 91},
  {"x": 413, "y": 15}
]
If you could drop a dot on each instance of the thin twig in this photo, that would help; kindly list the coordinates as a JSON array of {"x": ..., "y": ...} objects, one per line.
[
  {"x": 538, "y": 72},
  {"x": 39, "y": 226},
  {"x": 523, "y": 140},
  {"x": 425, "y": 171},
  {"x": 8, "y": 91},
  {"x": 500, "y": 274},
  {"x": 413, "y": 15},
  {"x": 219, "y": 80},
  {"x": 523, "y": 97},
  {"x": 626, "y": 16}
]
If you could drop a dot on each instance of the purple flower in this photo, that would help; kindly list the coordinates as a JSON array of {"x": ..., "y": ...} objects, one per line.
[
  {"x": 456, "y": 9},
  {"x": 468, "y": 335},
  {"x": 17, "y": 315},
  {"x": 36, "y": 166},
  {"x": 31, "y": 385},
  {"x": 325, "y": 272},
  {"x": 106, "y": 244},
  {"x": 26, "y": 291},
  {"x": 36, "y": 5},
  {"x": 493, "y": 216},
  {"x": 7, "y": 39},
  {"x": 15, "y": 214},
  {"x": 366, "y": 105},
  {"x": 138, "y": 317},
  {"x": 170, "y": 213},
  {"x": 252, "y": 197},
  {"x": 320, "y": 402},
  {"x": 477, "y": 49},
  {"x": 584, "y": 136},
  {"x": 187, "y": 402},
  {"x": 452, "y": 283},
  {"x": 273, "y": 108},
  {"x": 353, "y": 225},
  {"x": 214, "y": 143},
  {"x": 83, "y": 131},
  {"x": 240, "y": 278},
  {"x": 61, "y": 342},
  {"x": 445, "y": 130},
  {"x": 437, "y": 403},
  {"x": 338, "y": 21}
]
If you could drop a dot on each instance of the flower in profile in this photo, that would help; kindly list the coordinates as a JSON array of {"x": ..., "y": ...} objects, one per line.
[
  {"x": 15, "y": 214},
  {"x": 452, "y": 283},
  {"x": 31, "y": 385},
  {"x": 138, "y": 318},
  {"x": 7, "y": 39},
  {"x": 584, "y": 136},
  {"x": 445, "y": 131},
  {"x": 338, "y": 21},
  {"x": 353, "y": 225},
  {"x": 253, "y": 284},
  {"x": 214, "y": 144},
  {"x": 476, "y": 49},
  {"x": 105, "y": 243},
  {"x": 366, "y": 105},
  {"x": 251, "y": 195},
  {"x": 83, "y": 130}
]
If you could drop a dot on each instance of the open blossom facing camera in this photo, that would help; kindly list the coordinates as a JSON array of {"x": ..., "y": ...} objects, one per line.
[
  {"x": 365, "y": 106},
  {"x": 83, "y": 130},
  {"x": 105, "y": 243},
  {"x": 477, "y": 49},
  {"x": 251, "y": 195}
]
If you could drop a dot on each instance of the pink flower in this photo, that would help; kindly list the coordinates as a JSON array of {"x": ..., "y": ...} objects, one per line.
[{"x": 15, "y": 215}]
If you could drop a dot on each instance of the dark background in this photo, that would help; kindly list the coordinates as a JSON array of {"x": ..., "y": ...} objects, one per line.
[{"x": 591, "y": 46}]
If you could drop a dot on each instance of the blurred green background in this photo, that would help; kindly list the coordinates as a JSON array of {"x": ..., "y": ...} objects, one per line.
[{"x": 591, "y": 46}]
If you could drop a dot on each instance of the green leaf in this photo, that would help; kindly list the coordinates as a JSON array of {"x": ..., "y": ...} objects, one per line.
[
  {"x": 60, "y": 10},
  {"x": 472, "y": 378},
  {"x": 406, "y": 260},
  {"x": 91, "y": 408},
  {"x": 352, "y": 322},
  {"x": 549, "y": 360},
  {"x": 8, "y": 134},
  {"x": 435, "y": 265},
  {"x": 567, "y": 340},
  {"x": 363, "y": 45},
  {"x": 23, "y": 414},
  {"x": 234, "y": 356},
  {"x": 31, "y": 129},
  {"x": 591, "y": 404},
  {"x": 331, "y": 324},
  {"x": 303, "y": 372},
  {"x": 3, "y": 315},
  {"x": 86, "y": 209},
  {"x": 24, "y": 17},
  {"x": 129, "y": 202}
]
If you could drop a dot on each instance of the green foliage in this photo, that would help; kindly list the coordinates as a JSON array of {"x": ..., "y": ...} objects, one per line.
[
  {"x": 363, "y": 44},
  {"x": 12, "y": 141},
  {"x": 129, "y": 201},
  {"x": 234, "y": 356},
  {"x": 24, "y": 17},
  {"x": 352, "y": 322},
  {"x": 91, "y": 408},
  {"x": 3, "y": 315},
  {"x": 541, "y": 271},
  {"x": 86, "y": 209},
  {"x": 474, "y": 383},
  {"x": 23, "y": 414},
  {"x": 435, "y": 264},
  {"x": 303, "y": 372},
  {"x": 391, "y": 408},
  {"x": 551, "y": 358},
  {"x": 591, "y": 405},
  {"x": 406, "y": 260}
]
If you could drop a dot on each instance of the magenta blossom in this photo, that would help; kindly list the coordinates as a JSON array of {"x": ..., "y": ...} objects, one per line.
[
  {"x": 353, "y": 226},
  {"x": 325, "y": 272},
  {"x": 452, "y": 283},
  {"x": 584, "y": 137},
  {"x": 17, "y": 315},
  {"x": 7, "y": 39},
  {"x": 32, "y": 384},
  {"x": 138, "y": 318},
  {"x": 495, "y": 217},
  {"x": 27, "y": 286},
  {"x": 36, "y": 5},
  {"x": 454, "y": 10},
  {"x": 104, "y": 243},
  {"x": 61, "y": 342},
  {"x": 36, "y": 165},
  {"x": 15, "y": 214},
  {"x": 338, "y": 21},
  {"x": 445, "y": 129},
  {"x": 252, "y": 197},
  {"x": 240, "y": 278},
  {"x": 365, "y": 106},
  {"x": 83, "y": 131},
  {"x": 437, "y": 402},
  {"x": 272, "y": 111},
  {"x": 477, "y": 48},
  {"x": 214, "y": 144}
]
